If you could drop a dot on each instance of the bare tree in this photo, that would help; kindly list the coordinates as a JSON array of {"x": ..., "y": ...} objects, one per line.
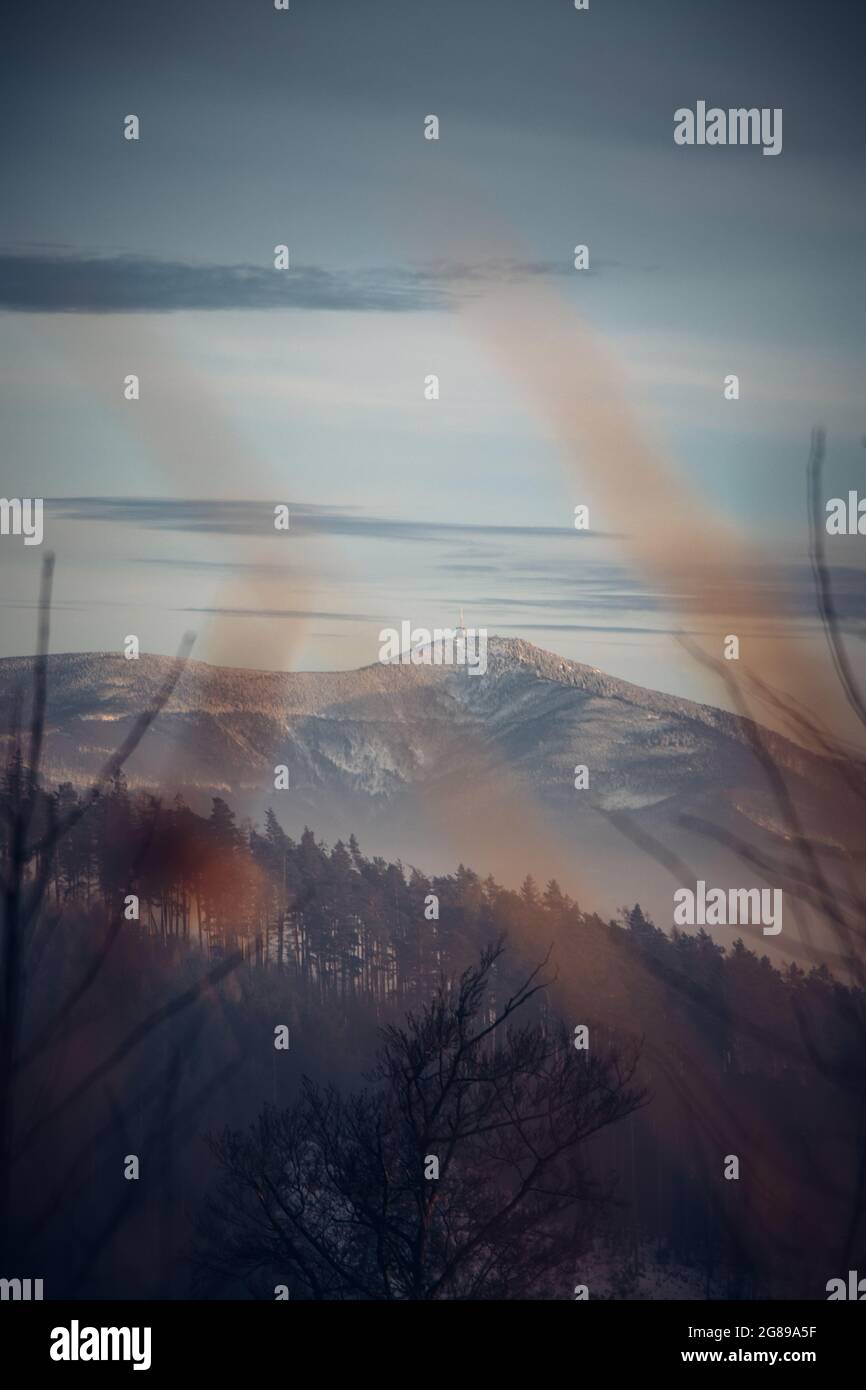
[
  {"x": 461, "y": 1172},
  {"x": 824, "y": 879},
  {"x": 31, "y": 838}
]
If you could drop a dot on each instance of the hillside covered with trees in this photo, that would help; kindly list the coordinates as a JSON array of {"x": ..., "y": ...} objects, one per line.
[{"x": 171, "y": 947}]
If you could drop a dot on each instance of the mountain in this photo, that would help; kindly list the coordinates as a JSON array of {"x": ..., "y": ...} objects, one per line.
[{"x": 435, "y": 763}]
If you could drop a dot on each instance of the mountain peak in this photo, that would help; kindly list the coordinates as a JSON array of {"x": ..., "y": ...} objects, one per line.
[
  {"x": 516, "y": 651},
  {"x": 362, "y": 740}
]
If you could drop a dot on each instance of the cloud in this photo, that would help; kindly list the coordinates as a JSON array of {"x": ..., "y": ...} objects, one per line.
[
  {"x": 786, "y": 588},
  {"x": 588, "y": 597},
  {"x": 254, "y": 518},
  {"x": 126, "y": 284},
  {"x": 49, "y": 281},
  {"x": 450, "y": 568},
  {"x": 285, "y": 613},
  {"x": 499, "y": 270}
]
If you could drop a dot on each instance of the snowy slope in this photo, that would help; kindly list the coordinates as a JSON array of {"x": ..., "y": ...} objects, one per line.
[{"x": 383, "y": 740}]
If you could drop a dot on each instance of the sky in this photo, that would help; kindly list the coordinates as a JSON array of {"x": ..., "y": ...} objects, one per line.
[{"x": 306, "y": 128}]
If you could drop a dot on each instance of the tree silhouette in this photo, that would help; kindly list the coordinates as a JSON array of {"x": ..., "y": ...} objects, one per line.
[
  {"x": 45, "y": 841},
  {"x": 336, "y": 1197}
]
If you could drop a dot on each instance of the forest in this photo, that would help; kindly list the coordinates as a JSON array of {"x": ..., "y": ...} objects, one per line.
[{"x": 170, "y": 948}]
